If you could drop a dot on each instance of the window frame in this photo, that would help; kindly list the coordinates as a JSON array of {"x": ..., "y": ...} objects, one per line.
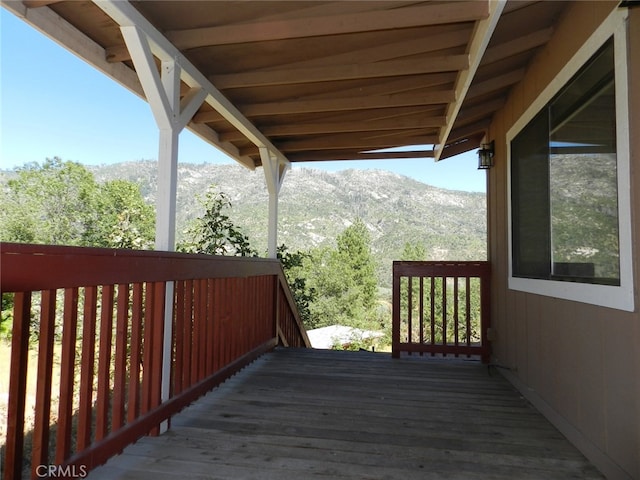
[{"x": 612, "y": 296}]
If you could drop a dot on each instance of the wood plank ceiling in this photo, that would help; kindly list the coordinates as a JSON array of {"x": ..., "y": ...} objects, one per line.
[{"x": 332, "y": 80}]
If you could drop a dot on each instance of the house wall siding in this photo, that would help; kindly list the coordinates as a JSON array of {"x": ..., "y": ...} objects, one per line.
[{"x": 580, "y": 362}]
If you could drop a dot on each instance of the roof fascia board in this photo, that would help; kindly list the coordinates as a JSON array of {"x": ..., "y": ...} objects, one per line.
[
  {"x": 125, "y": 14},
  {"x": 480, "y": 39}
]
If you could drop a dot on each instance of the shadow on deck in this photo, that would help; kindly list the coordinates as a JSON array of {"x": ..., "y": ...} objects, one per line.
[{"x": 302, "y": 413}]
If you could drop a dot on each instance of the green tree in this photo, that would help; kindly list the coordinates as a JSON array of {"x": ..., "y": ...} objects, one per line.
[
  {"x": 304, "y": 295},
  {"x": 214, "y": 233},
  {"x": 344, "y": 280},
  {"x": 413, "y": 251},
  {"x": 60, "y": 203},
  {"x": 122, "y": 218},
  {"x": 49, "y": 203}
]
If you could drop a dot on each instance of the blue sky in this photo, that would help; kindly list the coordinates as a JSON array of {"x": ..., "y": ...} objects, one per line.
[{"x": 54, "y": 104}]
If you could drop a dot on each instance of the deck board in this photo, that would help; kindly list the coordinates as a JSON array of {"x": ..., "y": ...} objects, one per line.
[{"x": 296, "y": 414}]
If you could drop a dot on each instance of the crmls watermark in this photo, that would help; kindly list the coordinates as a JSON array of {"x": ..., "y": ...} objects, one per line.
[{"x": 62, "y": 471}]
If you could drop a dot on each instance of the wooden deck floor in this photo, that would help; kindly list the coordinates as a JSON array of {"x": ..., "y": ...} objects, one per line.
[{"x": 298, "y": 414}]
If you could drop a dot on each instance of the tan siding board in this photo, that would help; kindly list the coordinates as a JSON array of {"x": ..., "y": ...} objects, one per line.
[
  {"x": 591, "y": 396},
  {"x": 569, "y": 358},
  {"x": 621, "y": 406},
  {"x": 634, "y": 73},
  {"x": 548, "y": 359},
  {"x": 533, "y": 342},
  {"x": 520, "y": 334},
  {"x": 583, "y": 360}
]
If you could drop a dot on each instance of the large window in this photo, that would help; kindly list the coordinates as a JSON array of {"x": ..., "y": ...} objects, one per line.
[
  {"x": 569, "y": 179},
  {"x": 564, "y": 182}
]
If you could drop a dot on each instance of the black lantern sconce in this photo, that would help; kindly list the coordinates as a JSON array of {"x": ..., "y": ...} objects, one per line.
[{"x": 485, "y": 156}]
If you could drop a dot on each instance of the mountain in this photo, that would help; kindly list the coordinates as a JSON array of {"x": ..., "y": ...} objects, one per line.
[{"x": 316, "y": 206}]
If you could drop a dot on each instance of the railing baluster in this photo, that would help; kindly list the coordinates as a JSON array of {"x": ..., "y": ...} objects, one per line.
[
  {"x": 40, "y": 452},
  {"x": 67, "y": 375},
  {"x": 409, "y": 310},
  {"x": 178, "y": 338},
  {"x": 120, "y": 363},
  {"x": 433, "y": 312},
  {"x": 444, "y": 312},
  {"x": 210, "y": 332},
  {"x": 456, "y": 318},
  {"x": 155, "y": 356},
  {"x": 104, "y": 362},
  {"x": 421, "y": 307},
  {"x": 217, "y": 314},
  {"x": 188, "y": 334},
  {"x": 133, "y": 399},
  {"x": 468, "y": 312},
  {"x": 202, "y": 332},
  {"x": 87, "y": 367},
  {"x": 17, "y": 385},
  {"x": 147, "y": 348}
]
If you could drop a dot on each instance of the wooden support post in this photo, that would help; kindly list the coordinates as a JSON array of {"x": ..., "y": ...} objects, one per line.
[
  {"x": 274, "y": 172},
  {"x": 162, "y": 90}
]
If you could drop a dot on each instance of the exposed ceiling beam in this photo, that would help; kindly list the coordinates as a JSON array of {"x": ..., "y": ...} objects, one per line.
[
  {"x": 481, "y": 110},
  {"x": 438, "y": 14},
  {"x": 383, "y": 101},
  {"x": 340, "y": 127},
  {"x": 388, "y": 86},
  {"x": 39, "y": 3},
  {"x": 392, "y": 68},
  {"x": 377, "y": 53},
  {"x": 341, "y": 141},
  {"x": 518, "y": 45},
  {"x": 496, "y": 83},
  {"x": 477, "y": 46},
  {"x": 124, "y": 14},
  {"x": 389, "y": 51},
  {"x": 470, "y": 129},
  {"x": 325, "y": 155}
]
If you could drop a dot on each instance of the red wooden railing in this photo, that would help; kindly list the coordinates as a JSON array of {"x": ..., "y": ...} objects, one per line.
[
  {"x": 441, "y": 308},
  {"x": 100, "y": 315}
]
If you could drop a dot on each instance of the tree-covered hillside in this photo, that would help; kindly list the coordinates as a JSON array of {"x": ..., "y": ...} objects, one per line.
[{"x": 316, "y": 206}]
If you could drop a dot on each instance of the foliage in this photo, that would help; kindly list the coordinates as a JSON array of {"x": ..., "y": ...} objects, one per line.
[
  {"x": 60, "y": 203},
  {"x": 358, "y": 340},
  {"x": 345, "y": 281},
  {"x": 6, "y": 316},
  {"x": 123, "y": 219},
  {"x": 214, "y": 233},
  {"x": 292, "y": 264}
]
